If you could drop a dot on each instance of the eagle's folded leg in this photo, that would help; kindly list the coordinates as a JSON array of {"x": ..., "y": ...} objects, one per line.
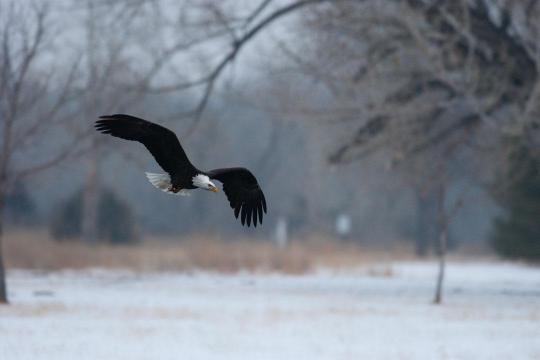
[{"x": 174, "y": 188}]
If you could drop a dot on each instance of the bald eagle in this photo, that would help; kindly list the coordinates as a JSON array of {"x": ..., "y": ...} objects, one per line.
[{"x": 239, "y": 184}]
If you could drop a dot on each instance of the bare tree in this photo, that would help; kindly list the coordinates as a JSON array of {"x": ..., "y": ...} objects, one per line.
[
  {"x": 425, "y": 80},
  {"x": 33, "y": 99},
  {"x": 120, "y": 62},
  {"x": 239, "y": 30},
  {"x": 116, "y": 77}
]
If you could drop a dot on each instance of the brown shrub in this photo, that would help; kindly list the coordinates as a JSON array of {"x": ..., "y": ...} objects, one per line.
[{"x": 36, "y": 250}]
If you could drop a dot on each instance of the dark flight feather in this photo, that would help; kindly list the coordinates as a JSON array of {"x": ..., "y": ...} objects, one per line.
[
  {"x": 160, "y": 141},
  {"x": 243, "y": 192}
]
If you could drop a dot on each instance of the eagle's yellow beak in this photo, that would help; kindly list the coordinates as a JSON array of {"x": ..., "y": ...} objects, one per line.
[{"x": 214, "y": 189}]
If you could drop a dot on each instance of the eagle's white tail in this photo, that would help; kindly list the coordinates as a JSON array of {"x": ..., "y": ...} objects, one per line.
[{"x": 163, "y": 183}]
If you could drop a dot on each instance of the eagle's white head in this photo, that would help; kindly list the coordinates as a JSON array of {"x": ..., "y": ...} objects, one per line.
[{"x": 203, "y": 182}]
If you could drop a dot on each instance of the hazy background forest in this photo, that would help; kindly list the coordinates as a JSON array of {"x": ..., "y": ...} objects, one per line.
[
  {"x": 377, "y": 129},
  {"x": 360, "y": 109}
]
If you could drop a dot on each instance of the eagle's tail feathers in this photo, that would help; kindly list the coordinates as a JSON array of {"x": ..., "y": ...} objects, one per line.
[{"x": 163, "y": 183}]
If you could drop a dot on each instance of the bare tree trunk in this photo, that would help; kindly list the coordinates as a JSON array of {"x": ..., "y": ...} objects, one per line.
[
  {"x": 443, "y": 243},
  {"x": 4, "y": 159},
  {"x": 3, "y": 288},
  {"x": 89, "y": 221},
  {"x": 425, "y": 217}
]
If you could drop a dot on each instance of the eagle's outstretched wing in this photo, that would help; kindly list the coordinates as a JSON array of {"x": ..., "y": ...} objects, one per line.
[
  {"x": 243, "y": 192},
  {"x": 160, "y": 141}
]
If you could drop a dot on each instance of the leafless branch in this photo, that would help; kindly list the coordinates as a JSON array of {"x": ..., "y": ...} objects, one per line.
[
  {"x": 71, "y": 151},
  {"x": 208, "y": 81}
]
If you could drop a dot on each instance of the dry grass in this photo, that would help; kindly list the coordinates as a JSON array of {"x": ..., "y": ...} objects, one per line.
[{"x": 36, "y": 250}]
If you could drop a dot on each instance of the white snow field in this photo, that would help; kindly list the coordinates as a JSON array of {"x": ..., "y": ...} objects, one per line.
[{"x": 491, "y": 311}]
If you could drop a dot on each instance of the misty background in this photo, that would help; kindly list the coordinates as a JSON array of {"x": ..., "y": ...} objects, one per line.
[{"x": 361, "y": 109}]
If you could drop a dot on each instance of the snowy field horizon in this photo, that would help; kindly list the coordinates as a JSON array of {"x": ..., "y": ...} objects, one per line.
[{"x": 491, "y": 310}]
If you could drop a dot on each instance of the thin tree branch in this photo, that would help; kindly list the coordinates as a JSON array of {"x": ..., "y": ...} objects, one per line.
[
  {"x": 210, "y": 79},
  {"x": 259, "y": 9},
  {"x": 66, "y": 153}
]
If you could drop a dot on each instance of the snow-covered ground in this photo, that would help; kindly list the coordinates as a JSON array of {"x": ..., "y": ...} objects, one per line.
[{"x": 491, "y": 311}]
